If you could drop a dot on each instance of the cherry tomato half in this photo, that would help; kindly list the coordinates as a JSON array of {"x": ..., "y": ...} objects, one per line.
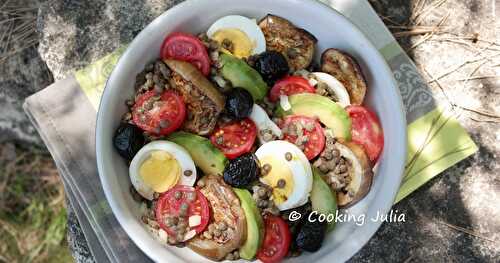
[
  {"x": 235, "y": 138},
  {"x": 159, "y": 115},
  {"x": 277, "y": 240},
  {"x": 366, "y": 131},
  {"x": 186, "y": 47},
  {"x": 311, "y": 130},
  {"x": 170, "y": 204},
  {"x": 290, "y": 85}
]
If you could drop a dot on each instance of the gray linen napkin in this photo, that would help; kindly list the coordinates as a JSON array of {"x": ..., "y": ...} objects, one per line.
[{"x": 65, "y": 120}]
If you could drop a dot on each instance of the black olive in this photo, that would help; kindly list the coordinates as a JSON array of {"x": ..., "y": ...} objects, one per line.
[
  {"x": 272, "y": 66},
  {"x": 128, "y": 140},
  {"x": 295, "y": 225},
  {"x": 239, "y": 103},
  {"x": 311, "y": 234},
  {"x": 302, "y": 210},
  {"x": 242, "y": 171}
]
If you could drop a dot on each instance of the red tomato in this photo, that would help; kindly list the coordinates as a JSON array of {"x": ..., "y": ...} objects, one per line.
[
  {"x": 235, "y": 138},
  {"x": 366, "y": 131},
  {"x": 159, "y": 117},
  {"x": 185, "y": 47},
  {"x": 311, "y": 129},
  {"x": 276, "y": 240},
  {"x": 290, "y": 85},
  {"x": 168, "y": 204}
]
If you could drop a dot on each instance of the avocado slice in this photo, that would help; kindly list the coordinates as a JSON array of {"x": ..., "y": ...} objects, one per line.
[
  {"x": 240, "y": 74},
  {"x": 205, "y": 155},
  {"x": 323, "y": 199},
  {"x": 255, "y": 225},
  {"x": 331, "y": 114}
]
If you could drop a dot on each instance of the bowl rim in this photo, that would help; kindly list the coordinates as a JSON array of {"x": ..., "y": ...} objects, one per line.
[{"x": 369, "y": 229}]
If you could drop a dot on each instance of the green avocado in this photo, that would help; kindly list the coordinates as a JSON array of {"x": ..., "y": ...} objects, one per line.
[
  {"x": 255, "y": 225},
  {"x": 240, "y": 74},
  {"x": 205, "y": 155},
  {"x": 323, "y": 199},
  {"x": 331, "y": 114}
]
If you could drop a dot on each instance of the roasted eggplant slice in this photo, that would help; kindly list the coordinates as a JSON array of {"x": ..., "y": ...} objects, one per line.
[
  {"x": 296, "y": 44},
  {"x": 360, "y": 174},
  {"x": 344, "y": 68},
  {"x": 227, "y": 229},
  {"x": 204, "y": 102}
]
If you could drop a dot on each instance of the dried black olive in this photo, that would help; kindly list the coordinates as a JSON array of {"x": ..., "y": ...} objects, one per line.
[
  {"x": 239, "y": 103},
  {"x": 311, "y": 234},
  {"x": 272, "y": 66},
  {"x": 128, "y": 140},
  {"x": 242, "y": 171},
  {"x": 295, "y": 225}
]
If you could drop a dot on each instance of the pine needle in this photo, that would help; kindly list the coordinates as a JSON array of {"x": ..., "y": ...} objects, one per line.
[
  {"x": 466, "y": 231},
  {"x": 479, "y": 77},
  {"x": 455, "y": 105},
  {"x": 467, "y": 62},
  {"x": 429, "y": 35},
  {"x": 480, "y": 112},
  {"x": 475, "y": 70},
  {"x": 452, "y": 103},
  {"x": 18, "y": 28},
  {"x": 473, "y": 38},
  {"x": 414, "y": 32},
  {"x": 390, "y": 20},
  {"x": 464, "y": 43},
  {"x": 417, "y": 10},
  {"x": 482, "y": 120},
  {"x": 421, "y": 15}
]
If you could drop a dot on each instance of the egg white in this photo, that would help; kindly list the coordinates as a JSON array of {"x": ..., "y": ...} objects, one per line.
[
  {"x": 357, "y": 168},
  {"x": 335, "y": 86},
  {"x": 299, "y": 167},
  {"x": 263, "y": 122},
  {"x": 246, "y": 25},
  {"x": 177, "y": 151}
]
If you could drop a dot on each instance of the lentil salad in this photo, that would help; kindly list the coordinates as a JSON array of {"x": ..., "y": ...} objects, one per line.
[{"x": 194, "y": 113}]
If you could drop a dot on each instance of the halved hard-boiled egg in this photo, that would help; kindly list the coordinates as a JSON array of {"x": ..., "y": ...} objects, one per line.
[
  {"x": 239, "y": 35},
  {"x": 334, "y": 86},
  {"x": 159, "y": 166},
  {"x": 287, "y": 170}
]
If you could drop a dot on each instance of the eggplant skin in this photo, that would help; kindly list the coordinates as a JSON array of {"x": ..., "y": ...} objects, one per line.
[
  {"x": 203, "y": 101},
  {"x": 345, "y": 68},
  {"x": 192, "y": 74},
  {"x": 344, "y": 200},
  {"x": 226, "y": 207},
  {"x": 296, "y": 44}
]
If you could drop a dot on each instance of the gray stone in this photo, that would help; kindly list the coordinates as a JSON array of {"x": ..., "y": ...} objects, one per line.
[
  {"x": 465, "y": 195},
  {"x": 21, "y": 74},
  {"x": 74, "y": 33},
  {"x": 76, "y": 239}
]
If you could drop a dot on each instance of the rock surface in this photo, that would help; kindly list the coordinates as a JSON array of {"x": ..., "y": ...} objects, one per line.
[
  {"x": 21, "y": 74},
  {"x": 74, "y": 33},
  {"x": 76, "y": 239},
  {"x": 462, "y": 195}
]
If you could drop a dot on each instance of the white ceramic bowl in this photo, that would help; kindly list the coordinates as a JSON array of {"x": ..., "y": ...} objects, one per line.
[{"x": 332, "y": 30}]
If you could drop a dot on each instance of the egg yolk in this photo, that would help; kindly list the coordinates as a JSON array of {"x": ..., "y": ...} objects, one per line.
[
  {"x": 279, "y": 170},
  {"x": 160, "y": 171},
  {"x": 240, "y": 44}
]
